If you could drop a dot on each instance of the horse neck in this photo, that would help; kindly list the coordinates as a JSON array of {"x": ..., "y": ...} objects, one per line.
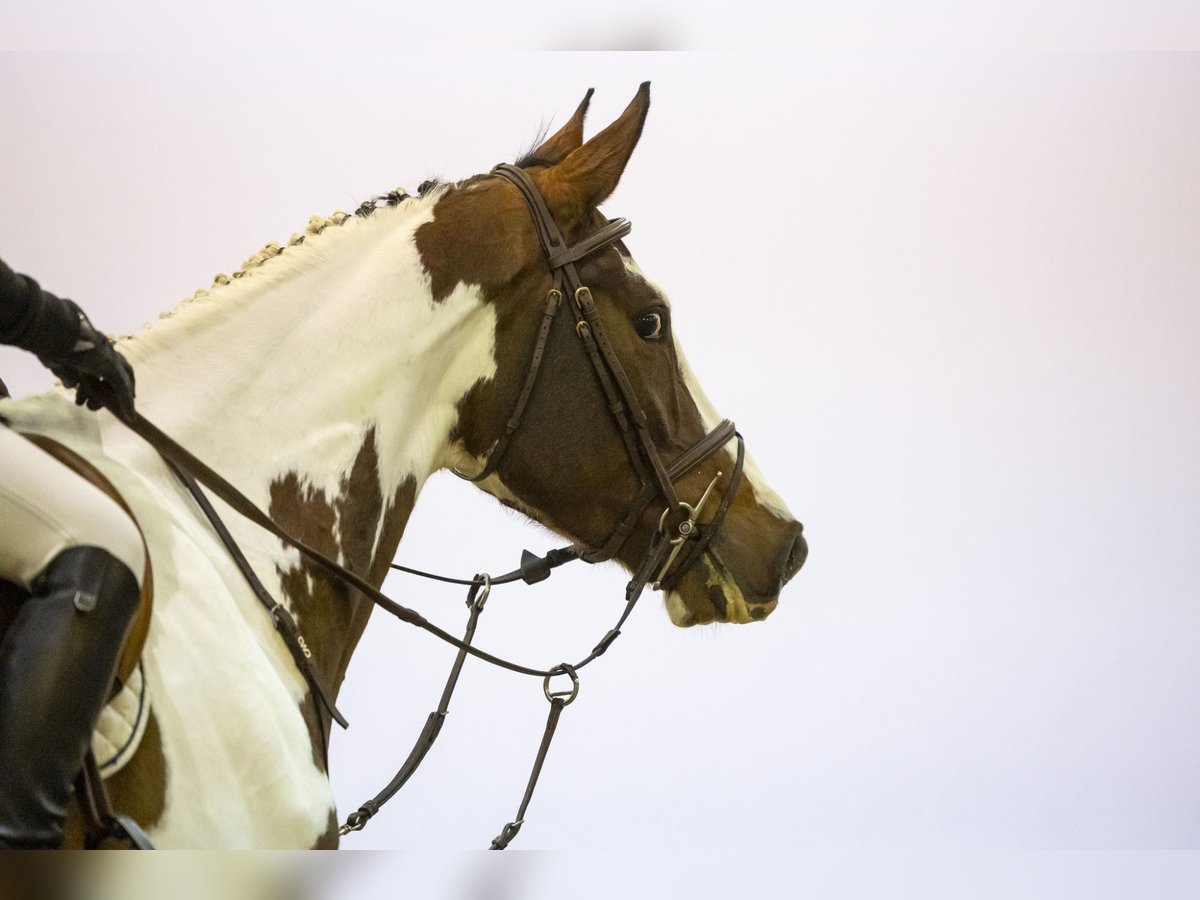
[{"x": 324, "y": 385}]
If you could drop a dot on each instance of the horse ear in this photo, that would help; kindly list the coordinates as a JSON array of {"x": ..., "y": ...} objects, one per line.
[
  {"x": 567, "y": 139},
  {"x": 590, "y": 174}
]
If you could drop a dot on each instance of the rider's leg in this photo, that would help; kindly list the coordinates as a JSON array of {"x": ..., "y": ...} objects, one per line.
[{"x": 82, "y": 560}]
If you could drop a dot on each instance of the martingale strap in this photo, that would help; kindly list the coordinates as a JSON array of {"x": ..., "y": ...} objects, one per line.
[{"x": 357, "y": 820}]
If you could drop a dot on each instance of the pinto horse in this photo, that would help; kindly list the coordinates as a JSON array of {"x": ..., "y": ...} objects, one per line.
[{"x": 382, "y": 347}]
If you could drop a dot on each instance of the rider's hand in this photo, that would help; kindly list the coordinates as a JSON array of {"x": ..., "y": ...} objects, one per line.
[{"x": 100, "y": 375}]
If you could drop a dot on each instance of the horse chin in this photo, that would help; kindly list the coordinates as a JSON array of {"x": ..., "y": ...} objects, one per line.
[{"x": 709, "y": 594}]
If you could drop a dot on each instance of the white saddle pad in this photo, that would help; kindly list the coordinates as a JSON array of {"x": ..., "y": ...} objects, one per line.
[{"x": 122, "y": 725}]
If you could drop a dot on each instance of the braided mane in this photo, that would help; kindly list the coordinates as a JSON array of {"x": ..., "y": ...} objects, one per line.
[{"x": 316, "y": 224}]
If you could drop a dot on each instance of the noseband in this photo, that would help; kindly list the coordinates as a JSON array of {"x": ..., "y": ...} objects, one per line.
[{"x": 681, "y": 538}]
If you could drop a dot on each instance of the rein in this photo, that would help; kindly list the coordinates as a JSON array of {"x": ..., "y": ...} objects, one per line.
[{"x": 671, "y": 553}]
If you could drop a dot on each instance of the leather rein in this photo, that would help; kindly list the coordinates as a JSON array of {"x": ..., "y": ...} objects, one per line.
[{"x": 679, "y": 543}]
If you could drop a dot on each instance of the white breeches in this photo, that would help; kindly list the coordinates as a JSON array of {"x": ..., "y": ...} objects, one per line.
[{"x": 46, "y": 508}]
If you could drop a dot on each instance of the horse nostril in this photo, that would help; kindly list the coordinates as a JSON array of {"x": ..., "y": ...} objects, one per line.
[{"x": 797, "y": 555}]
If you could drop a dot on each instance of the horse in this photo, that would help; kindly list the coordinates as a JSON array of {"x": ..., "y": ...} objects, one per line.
[{"x": 327, "y": 380}]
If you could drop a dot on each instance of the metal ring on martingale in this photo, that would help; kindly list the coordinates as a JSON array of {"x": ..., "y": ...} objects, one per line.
[
  {"x": 482, "y": 596},
  {"x": 554, "y": 695}
]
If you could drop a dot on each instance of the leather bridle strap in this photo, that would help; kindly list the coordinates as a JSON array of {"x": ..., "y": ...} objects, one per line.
[
  {"x": 697, "y": 547},
  {"x": 602, "y": 237},
  {"x": 496, "y": 451},
  {"x": 623, "y": 404},
  {"x": 697, "y": 453},
  {"x": 558, "y": 254},
  {"x": 656, "y": 479}
]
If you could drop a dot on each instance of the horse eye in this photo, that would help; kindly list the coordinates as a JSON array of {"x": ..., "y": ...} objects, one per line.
[{"x": 649, "y": 326}]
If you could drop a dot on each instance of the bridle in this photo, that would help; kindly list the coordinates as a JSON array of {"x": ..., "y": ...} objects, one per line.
[
  {"x": 684, "y": 543},
  {"x": 679, "y": 542}
]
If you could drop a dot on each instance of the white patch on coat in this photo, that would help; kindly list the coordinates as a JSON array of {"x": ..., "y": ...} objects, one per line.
[
  {"x": 764, "y": 494},
  {"x": 284, "y": 370}
]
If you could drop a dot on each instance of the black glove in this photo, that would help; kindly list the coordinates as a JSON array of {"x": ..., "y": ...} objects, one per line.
[{"x": 100, "y": 375}]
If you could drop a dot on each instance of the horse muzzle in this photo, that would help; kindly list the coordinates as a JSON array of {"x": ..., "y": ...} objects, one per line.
[{"x": 735, "y": 581}]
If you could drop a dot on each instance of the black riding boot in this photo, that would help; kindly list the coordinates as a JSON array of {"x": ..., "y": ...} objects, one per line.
[{"x": 57, "y": 664}]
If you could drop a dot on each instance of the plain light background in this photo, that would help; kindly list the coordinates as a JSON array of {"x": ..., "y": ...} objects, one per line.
[{"x": 950, "y": 299}]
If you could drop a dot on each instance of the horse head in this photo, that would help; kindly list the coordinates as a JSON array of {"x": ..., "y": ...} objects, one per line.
[{"x": 593, "y": 423}]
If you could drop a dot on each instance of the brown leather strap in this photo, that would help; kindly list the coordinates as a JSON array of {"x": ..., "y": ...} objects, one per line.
[
  {"x": 510, "y": 830},
  {"x": 602, "y": 237},
  {"x": 283, "y": 620},
  {"x": 622, "y": 400},
  {"x": 105, "y": 829},
  {"x": 358, "y": 819},
  {"x": 616, "y": 404},
  {"x": 496, "y": 452},
  {"x": 587, "y": 306},
  {"x": 549, "y": 235},
  {"x": 562, "y": 264},
  {"x": 696, "y": 454}
]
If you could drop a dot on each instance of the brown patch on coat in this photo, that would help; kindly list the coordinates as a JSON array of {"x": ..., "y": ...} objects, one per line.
[
  {"x": 463, "y": 245},
  {"x": 331, "y": 615},
  {"x": 329, "y": 839}
]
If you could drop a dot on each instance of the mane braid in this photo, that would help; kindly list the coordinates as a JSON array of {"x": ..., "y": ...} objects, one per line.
[
  {"x": 315, "y": 225},
  {"x": 391, "y": 198}
]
